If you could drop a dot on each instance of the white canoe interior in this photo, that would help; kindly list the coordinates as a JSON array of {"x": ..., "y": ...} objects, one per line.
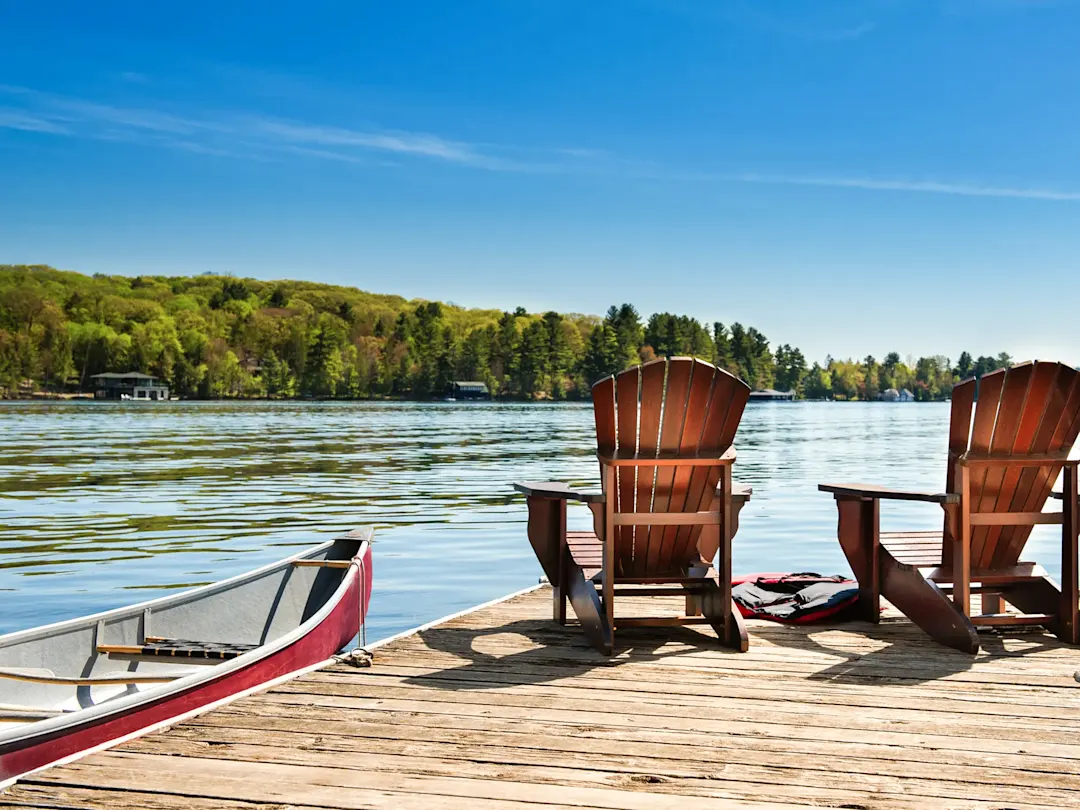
[{"x": 76, "y": 665}]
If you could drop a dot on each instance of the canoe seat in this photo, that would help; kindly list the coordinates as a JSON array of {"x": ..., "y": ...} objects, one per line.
[{"x": 179, "y": 648}]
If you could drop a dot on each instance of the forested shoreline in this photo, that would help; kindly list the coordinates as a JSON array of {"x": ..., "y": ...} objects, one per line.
[{"x": 213, "y": 336}]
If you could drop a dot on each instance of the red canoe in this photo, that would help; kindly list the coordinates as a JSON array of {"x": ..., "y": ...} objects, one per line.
[{"x": 75, "y": 686}]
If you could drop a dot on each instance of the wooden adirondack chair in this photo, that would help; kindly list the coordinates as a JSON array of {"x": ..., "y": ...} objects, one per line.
[
  {"x": 664, "y": 434},
  {"x": 1002, "y": 466}
]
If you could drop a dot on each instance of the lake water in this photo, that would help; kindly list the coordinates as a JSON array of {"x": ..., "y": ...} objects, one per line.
[{"x": 103, "y": 505}]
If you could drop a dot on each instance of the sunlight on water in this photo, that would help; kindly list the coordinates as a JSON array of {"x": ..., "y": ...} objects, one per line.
[{"x": 103, "y": 505}]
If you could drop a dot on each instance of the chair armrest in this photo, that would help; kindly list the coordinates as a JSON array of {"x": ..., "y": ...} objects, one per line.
[
  {"x": 884, "y": 493},
  {"x": 557, "y": 490},
  {"x": 739, "y": 492},
  {"x": 1058, "y": 495}
]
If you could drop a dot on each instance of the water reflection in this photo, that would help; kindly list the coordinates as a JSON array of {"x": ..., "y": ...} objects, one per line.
[{"x": 106, "y": 504}]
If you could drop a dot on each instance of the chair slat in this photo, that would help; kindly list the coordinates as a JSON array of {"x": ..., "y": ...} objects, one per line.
[
  {"x": 963, "y": 401},
  {"x": 626, "y": 403},
  {"x": 675, "y": 399},
  {"x": 603, "y": 395},
  {"x": 994, "y": 493},
  {"x": 739, "y": 398},
  {"x": 726, "y": 389},
  {"x": 697, "y": 402},
  {"x": 669, "y": 409},
  {"x": 652, "y": 396},
  {"x": 1055, "y": 435},
  {"x": 982, "y": 432},
  {"x": 1045, "y": 401}
]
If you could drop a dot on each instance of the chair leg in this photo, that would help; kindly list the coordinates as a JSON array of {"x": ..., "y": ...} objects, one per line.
[
  {"x": 715, "y": 600},
  {"x": 1038, "y": 595},
  {"x": 926, "y": 605},
  {"x": 558, "y": 601},
  {"x": 1068, "y": 620},
  {"x": 880, "y": 574},
  {"x": 693, "y": 601},
  {"x": 858, "y": 530},
  {"x": 587, "y": 607},
  {"x": 961, "y": 544},
  {"x": 723, "y": 616},
  {"x": 738, "y": 636},
  {"x": 609, "y": 556},
  {"x": 559, "y": 591}
]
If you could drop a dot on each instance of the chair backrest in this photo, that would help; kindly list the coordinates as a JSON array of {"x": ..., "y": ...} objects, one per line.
[
  {"x": 1029, "y": 409},
  {"x": 679, "y": 405}
]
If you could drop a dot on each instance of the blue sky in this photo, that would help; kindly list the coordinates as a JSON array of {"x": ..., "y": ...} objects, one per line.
[{"x": 849, "y": 177}]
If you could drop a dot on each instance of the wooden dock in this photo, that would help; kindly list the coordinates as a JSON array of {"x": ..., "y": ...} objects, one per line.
[{"x": 502, "y": 709}]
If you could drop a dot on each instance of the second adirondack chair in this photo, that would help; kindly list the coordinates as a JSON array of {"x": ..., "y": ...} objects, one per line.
[
  {"x": 1006, "y": 450},
  {"x": 664, "y": 433}
]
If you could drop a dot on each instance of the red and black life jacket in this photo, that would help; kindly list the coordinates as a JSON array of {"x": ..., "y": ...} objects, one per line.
[{"x": 795, "y": 598}]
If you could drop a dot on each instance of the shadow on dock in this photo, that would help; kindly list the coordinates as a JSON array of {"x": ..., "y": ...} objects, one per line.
[
  {"x": 552, "y": 652},
  {"x": 502, "y": 709},
  {"x": 540, "y": 651}
]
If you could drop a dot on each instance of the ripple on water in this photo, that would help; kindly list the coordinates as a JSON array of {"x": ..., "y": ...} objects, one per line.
[{"x": 105, "y": 504}]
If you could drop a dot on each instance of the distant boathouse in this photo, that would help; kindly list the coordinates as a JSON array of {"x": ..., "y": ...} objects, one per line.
[
  {"x": 129, "y": 385},
  {"x": 469, "y": 389},
  {"x": 772, "y": 395}
]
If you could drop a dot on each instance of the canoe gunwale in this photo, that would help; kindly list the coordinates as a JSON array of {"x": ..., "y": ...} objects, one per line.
[
  {"x": 46, "y": 630},
  {"x": 24, "y": 736}
]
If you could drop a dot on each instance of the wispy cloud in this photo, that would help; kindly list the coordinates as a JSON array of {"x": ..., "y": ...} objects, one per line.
[
  {"x": 919, "y": 186},
  {"x": 236, "y": 133},
  {"x": 17, "y": 119},
  {"x": 400, "y": 142}
]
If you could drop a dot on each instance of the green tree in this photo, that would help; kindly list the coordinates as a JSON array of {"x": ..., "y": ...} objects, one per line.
[
  {"x": 277, "y": 377},
  {"x": 212, "y": 335},
  {"x": 629, "y": 333},
  {"x": 324, "y": 366},
  {"x": 790, "y": 370},
  {"x": 602, "y": 355},
  {"x": 818, "y": 384},
  {"x": 964, "y": 366}
]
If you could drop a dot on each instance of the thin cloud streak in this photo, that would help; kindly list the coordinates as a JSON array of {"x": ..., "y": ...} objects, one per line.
[
  {"x": 255, "y": 137},
  {"x": 16, "y": 119},
  {"x": 220, "y": 134},
  {"x": 923, "y": 186},
  {"x": 401, "y": 142}
]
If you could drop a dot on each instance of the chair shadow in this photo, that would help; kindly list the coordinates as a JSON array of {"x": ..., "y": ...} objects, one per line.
[
  {"x": 915, "y": 658},
  {"x": 555, "y": 652}
]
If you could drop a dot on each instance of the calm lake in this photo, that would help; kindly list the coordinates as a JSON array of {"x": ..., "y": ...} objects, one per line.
[{"x": 103, "y": 505}]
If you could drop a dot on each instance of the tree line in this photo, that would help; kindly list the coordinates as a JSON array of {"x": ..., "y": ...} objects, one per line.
[{"x": 213, "y": 336}]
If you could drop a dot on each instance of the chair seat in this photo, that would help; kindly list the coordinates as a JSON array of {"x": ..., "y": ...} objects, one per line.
[
  {"x": 914, "y": 548},
  {"x": 587, "y": 551}
]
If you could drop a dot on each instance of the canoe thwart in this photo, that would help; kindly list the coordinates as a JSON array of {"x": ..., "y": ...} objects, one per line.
[{"x": 322, "y": 563}]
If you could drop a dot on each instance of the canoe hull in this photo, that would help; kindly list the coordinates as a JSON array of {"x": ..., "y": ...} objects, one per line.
[{"x": 324, "y": 638}]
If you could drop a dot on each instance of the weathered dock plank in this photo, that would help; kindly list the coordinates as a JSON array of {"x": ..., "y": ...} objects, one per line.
[{"x": 501, "y": 708}]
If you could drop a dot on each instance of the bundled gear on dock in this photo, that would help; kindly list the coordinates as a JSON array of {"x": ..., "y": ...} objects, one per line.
[{"x": 795, "y": 598}]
